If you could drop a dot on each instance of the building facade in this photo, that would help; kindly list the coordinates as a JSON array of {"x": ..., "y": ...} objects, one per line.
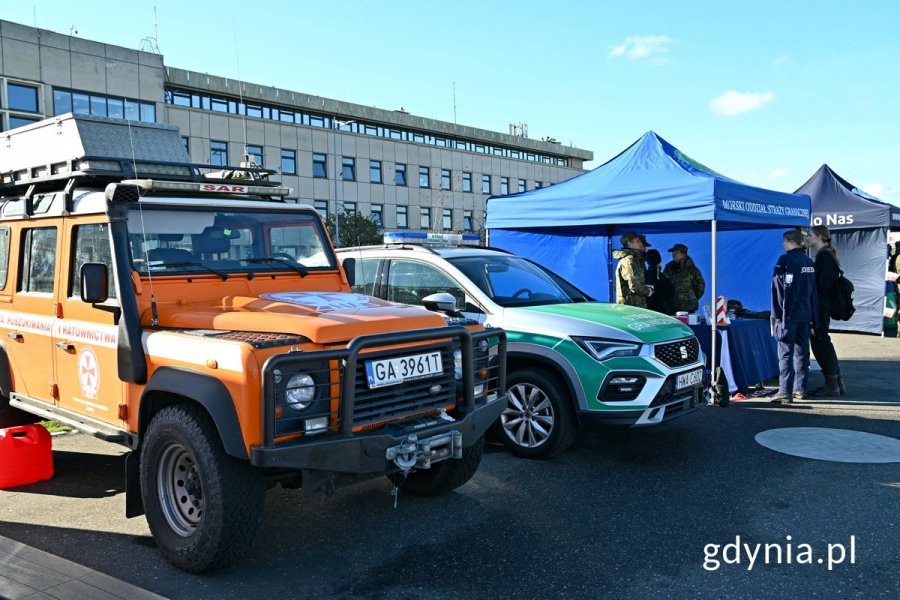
[{"x": 405, "y": 171}]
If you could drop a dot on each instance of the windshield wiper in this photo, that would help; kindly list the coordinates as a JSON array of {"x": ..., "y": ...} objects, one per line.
[
  {"x": 187, "y": 263},
  {"x": 293, "y": 264}
]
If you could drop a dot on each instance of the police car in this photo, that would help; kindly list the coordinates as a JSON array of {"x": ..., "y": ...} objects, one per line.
[{"x": 572, "y": 362}]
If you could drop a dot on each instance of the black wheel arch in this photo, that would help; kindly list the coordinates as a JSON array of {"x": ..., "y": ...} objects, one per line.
[
  {"x": 171, "y": 385},
  {"x": 5, "y": 375}
]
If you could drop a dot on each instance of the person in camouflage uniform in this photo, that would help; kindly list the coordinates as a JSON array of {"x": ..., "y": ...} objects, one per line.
[
  {"x": 686, "y": 279},
  {"x": 631, "y": 288}
]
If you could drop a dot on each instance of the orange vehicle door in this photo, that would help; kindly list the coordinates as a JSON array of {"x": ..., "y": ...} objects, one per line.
[
  {"x": 85, "y": 336},
  {"x": 27, "y": 317}
]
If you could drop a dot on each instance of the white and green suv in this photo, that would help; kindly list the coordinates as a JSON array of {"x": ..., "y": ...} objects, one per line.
[{"x": 572, "y": 362}]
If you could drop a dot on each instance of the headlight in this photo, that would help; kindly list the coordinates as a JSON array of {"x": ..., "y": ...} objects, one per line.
[
  {"x": 457, "y": 364},
  {"x": 300, "y": 391},
  {"x": 602, "y": 349}
]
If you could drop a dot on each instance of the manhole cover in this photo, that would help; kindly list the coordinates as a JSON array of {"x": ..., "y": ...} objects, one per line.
[{"x": 838, "y": 445}]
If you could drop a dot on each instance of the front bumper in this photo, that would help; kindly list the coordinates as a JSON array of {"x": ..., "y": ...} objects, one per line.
[
  {"x": 667, "y": 404},
  {"x": 367, "y": 452}
]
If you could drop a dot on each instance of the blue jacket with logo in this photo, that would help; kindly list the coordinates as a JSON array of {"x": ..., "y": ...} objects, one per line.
[{"x": 794, "y": 298}]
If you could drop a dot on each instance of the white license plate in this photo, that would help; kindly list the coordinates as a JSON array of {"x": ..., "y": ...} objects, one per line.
[
  {"x": 393, "y": 371},
  {"x": 688, "y": 379}
]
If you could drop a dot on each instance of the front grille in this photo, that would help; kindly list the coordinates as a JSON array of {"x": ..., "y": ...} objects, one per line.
[
  {"x": 677, "y": 354},
  {"x": 413, "y": 397}
]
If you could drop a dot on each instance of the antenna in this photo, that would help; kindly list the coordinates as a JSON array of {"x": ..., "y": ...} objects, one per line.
[
  {"x": 149, "y": 44},
  {"x": 73, "y": 30},
  {"x": 237, "y": 60},
  {"x": 454, "y": 102}
]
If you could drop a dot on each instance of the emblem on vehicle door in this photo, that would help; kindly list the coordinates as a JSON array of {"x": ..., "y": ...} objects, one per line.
[
  {"x": 88, "y": 372},
  {"x": 683, "y": 352}
]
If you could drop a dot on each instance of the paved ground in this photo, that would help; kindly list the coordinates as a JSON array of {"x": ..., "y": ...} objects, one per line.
[{"x": 685, "y": 510}]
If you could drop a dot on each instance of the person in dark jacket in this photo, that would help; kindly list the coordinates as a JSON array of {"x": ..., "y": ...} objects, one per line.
[
  {"x": 828, "y": 269},
  {"x": 686, "y": 278},
  {"x": 794, "y": 308},
  {"x": 663, "y": 293}
]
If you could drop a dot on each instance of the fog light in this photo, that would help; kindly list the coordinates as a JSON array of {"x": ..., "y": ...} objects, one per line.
[
  {"x": 317, "y": 425},
  {"x": 478, "y": 390}
]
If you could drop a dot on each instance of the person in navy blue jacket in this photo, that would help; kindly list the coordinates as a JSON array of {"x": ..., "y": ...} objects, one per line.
[{"x": 794, "y": 309}]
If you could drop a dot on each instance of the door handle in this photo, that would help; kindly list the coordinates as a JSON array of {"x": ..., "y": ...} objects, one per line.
[
  {"x": 15, "y": 335},
  {"x": 65, "y": 346}
]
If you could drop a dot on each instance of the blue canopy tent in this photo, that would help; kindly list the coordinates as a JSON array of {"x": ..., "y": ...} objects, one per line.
[
  {"x": 859, "y": 225},
  {"x": 654, "y": 189}
]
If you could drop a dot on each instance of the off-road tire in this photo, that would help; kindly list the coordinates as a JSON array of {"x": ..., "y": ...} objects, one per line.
[
  {"x": 444, "y": 476},
  {"x": 540, "y": 385},
  {"x": 204, "y": 508}
]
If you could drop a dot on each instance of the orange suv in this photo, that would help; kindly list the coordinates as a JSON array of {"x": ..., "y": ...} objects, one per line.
[{"x": 204, "y": 323}]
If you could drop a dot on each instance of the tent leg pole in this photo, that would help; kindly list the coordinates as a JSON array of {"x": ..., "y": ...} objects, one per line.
[{"x": 715, "y": 373}]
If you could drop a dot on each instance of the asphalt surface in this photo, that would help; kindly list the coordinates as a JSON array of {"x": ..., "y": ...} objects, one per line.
[{"x": 623, "y": 514}]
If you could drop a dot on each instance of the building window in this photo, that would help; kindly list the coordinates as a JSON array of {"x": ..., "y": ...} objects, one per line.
[
  {"x": 218, "y": 153},
  {"x": 115, "y": 107},
  {"x": 400, "y": 174},
  {"x": 445, "y": 179},
  {"x": 22, "y": 97},
  {"x": 255, "y": 154},
  {"x": 538, "y": 185},
  {"x": 288, "y": 162},
  {"x": 377, "y": 210},
  {"x": 319, "y": 168},
  {"x": 424, "y": 177},
  {"x": 425, "y": 218},
  {"x": 350, "y": 207},
  {"x": 17, "y": 121},
  {"x": 374, "y": 171},
  {"x": 447, "y": 219},
  {"x": 485, "y": 184},
  {"x": 322, "y": 207},
  {"x": 348, "y": 168},
  {"x": 521, "y": 185},
  {"x": 467, "y": 182},
  {"x": 467, "y": 220},
  {"x": 402, "y": 222},
  {"x": 504, "y": 186}
]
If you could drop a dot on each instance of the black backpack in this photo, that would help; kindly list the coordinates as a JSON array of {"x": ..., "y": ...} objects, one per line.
[{"x": 842, "y": 299}]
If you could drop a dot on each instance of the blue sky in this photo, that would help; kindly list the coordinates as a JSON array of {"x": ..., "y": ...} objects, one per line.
[{"x": 763, "y": 92}]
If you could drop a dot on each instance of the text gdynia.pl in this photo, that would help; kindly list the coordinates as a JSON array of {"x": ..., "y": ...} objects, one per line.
[{"x": 779, "y": 553}]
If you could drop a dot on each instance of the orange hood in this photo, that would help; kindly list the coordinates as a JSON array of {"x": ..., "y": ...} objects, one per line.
[{"x": 323, "y": 317}]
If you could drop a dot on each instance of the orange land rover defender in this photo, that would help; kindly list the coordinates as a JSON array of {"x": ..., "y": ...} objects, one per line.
[{"x": 203, "y": 322}]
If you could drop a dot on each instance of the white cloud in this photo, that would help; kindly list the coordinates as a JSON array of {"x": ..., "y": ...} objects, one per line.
[
  {"x": 733, "y": 103},
  {"x": 778, "y": 173},
  {"x": 883, "y": 192},
  {"x": 652, "y": 47}
]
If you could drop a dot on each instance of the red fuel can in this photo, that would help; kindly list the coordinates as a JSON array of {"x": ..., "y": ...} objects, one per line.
[{"x": 26, "y": 455}]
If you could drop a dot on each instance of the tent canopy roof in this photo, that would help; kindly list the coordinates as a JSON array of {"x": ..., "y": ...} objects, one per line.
[
  {"x": 650, "y": 182},
  {"x": 838, "y": 204}
]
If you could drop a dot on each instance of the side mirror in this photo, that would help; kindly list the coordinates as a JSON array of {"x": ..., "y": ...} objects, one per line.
[
  {"x": 94, "y": 283},
  {"x": 349, "y": 265},
  {"x": 440, "y": 302}
]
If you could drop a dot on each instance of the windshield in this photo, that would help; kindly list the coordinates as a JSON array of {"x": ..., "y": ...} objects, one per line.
[
  {"x": 512, "y": 281},
  {"x": 174, "y": 240}
]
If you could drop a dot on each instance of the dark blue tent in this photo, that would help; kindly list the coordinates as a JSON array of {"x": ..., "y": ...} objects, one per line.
[
  {"x": 859, "y": 224},
  {"x": 654, "y": 189}
]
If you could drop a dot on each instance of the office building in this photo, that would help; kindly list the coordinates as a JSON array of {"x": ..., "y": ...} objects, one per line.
[{"x": 405, "y": 171}]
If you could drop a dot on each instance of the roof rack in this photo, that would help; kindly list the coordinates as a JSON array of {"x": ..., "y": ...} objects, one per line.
[{"x": 105, "y": 150}]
